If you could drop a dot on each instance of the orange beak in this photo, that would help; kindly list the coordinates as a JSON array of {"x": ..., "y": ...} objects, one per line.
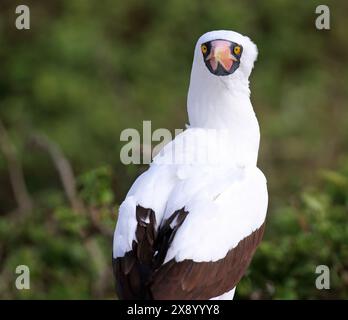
[{"x": 221, "y": 53}]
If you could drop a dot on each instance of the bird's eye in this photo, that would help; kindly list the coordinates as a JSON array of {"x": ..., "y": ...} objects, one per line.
[
  {"x": 236, "y": 50},
  {"x": 204, "y": 48}
]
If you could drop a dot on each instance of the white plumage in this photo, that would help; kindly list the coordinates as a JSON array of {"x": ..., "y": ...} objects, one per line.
[{"x": 209, "y": 169}]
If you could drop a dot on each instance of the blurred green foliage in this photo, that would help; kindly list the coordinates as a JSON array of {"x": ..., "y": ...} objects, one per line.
[
  {"x": 86, "y": 70},
  {"x": 312, "y": 231},
  {"x": 68, "y": 254}
]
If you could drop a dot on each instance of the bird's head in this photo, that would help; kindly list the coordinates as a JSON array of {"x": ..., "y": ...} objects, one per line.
[
  {"x": 224, "y": 54},
  {"x": 219, "y": 84}
]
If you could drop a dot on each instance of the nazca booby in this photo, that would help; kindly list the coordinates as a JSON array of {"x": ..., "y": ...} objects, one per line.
[{"x": 191, "y": 223}]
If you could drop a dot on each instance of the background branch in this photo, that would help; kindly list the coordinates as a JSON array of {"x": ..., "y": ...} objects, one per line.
[
  {"x": 67, "y": 177},
  {"x": 63, "y": 167},
  {"x": 15, "y": 171}
]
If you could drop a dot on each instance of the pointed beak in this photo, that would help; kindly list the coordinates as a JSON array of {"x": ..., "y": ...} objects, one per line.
[{"x": 221, "y": 53}]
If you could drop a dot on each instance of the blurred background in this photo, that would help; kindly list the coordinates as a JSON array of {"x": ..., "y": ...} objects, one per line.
[{"x": 86, "y": 70}]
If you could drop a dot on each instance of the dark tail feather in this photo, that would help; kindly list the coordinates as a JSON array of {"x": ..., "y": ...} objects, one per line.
[{"x": 133, "y": 270}]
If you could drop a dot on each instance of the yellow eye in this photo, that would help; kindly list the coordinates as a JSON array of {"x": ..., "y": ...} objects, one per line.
[
  {"x": 204, "y": 48},
  {"x": 236, "y": 50}
]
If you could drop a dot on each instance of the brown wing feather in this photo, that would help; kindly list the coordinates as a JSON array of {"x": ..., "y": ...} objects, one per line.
[
  {"x": 133, "y": 270},
  {"x": 187, "y": 280},
  {"x": 141, "y": 274}
]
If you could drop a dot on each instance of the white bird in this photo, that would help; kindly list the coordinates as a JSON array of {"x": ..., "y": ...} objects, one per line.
[{"x": 191, "y": 223}]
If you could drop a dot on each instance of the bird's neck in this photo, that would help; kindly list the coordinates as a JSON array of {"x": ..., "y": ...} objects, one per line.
[{"x": 224, "y": 107}]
